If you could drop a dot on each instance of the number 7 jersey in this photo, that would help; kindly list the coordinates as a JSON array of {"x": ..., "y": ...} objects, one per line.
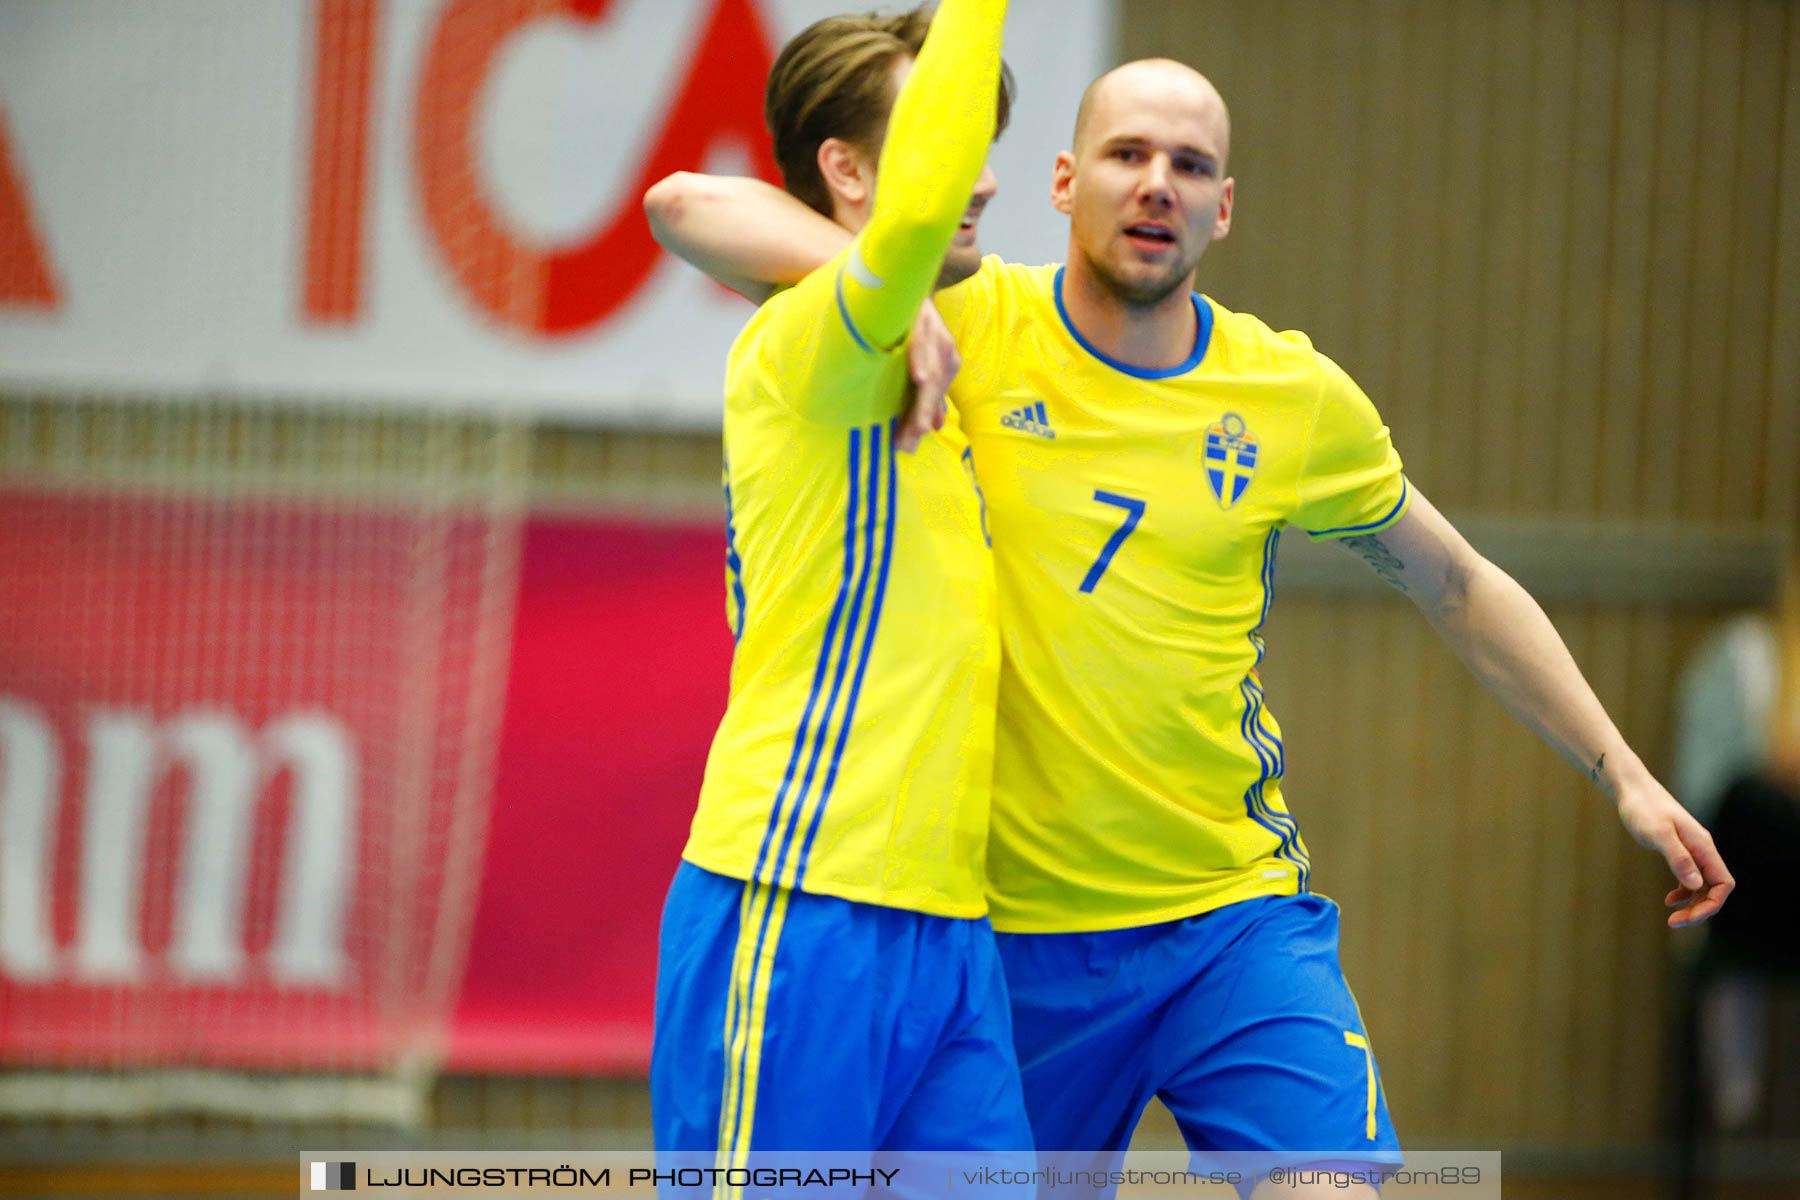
[{"x": 1135, "y": 516}]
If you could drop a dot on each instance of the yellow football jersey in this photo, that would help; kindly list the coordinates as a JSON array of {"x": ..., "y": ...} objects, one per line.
[
  {"x": 855, "y": 757},
  {"x": 856, "y": 751},
  {"x": 1135, "y": 516}
]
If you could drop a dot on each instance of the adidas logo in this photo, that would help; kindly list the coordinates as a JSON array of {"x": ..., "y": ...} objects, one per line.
[{"x": 1031, "y": 419}]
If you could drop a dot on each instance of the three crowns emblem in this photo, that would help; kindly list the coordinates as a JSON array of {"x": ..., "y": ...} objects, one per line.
[{"x": 1230, "y": 456}]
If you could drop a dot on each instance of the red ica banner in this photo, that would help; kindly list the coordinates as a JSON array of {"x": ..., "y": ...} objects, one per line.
[
  {"x": 416, "y": 202},
  {"x": 230, "y": 807}
]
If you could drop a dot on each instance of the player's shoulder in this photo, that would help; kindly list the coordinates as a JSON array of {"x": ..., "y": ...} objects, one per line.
[
  {"x": 1288, "y": 360},
  {"x": 988, "y": 311},
  {"x": 1249, "y": 341},
  {"x": 999, "y": 279},
  {"x": 818, "y": 290},
  {"x": 1038, "y": 277},
  {"x": 770, "y": 329},
  {"x": 1248, "y": 348}
]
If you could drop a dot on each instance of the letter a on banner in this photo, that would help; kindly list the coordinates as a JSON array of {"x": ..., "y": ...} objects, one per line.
[
  {"x": 571, "y": 290},
  {"x": 25, "y": 277}
]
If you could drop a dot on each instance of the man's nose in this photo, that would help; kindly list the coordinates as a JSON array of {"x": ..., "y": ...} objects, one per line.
[{"x": 1158, "y": 179}]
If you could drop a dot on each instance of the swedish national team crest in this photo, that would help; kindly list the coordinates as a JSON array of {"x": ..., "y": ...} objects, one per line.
[{"x": 1231, "y": 452}]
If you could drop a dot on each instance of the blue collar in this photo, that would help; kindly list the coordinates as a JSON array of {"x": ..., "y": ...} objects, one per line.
[{"x": 1203, "y": 323}]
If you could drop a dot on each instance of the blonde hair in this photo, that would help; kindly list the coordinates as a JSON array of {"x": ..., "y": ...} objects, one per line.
[{"x": 835, "y": 80}]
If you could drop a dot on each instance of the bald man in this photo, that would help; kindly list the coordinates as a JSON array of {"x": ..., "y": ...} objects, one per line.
[{"x": 1141, "y": 448}]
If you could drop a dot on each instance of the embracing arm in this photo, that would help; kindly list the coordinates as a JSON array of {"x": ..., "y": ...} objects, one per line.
[
  {"x": 749, "y": 235},
  {"x": 1506, "y": 641},
  {"x": 755, "y": 238}
]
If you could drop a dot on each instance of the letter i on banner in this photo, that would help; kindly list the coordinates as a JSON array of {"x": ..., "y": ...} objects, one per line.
[{"x": 346, "y": 44}]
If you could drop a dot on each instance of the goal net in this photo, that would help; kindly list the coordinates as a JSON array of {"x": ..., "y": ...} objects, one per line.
[
  {"x": 254, "y": 610},
  {"x": 250, "y": 672}
]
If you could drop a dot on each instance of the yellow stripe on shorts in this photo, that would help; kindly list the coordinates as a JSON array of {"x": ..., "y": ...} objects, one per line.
[{"x": 752, "y": 975}]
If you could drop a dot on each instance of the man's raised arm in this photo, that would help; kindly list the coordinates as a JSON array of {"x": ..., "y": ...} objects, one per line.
[
  {"x": 937, "y": 143},
  {"x": 754, "y": 237}
]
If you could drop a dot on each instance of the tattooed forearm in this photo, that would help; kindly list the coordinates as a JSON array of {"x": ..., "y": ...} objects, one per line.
[
  {"x": 1598, "y": 767},
  {"x": 1370, "y": 548}
]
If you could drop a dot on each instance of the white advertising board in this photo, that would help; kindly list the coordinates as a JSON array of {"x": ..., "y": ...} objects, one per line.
[{"x": 413, "y": 201}]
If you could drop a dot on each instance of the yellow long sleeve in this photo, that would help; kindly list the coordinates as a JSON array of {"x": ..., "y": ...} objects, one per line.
[
  {"x": 830, "y": 349},
  {"x": 937, "y": 141}
]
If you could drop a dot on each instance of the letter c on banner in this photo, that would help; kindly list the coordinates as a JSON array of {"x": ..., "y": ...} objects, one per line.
[{"x": 570, "y": 290}]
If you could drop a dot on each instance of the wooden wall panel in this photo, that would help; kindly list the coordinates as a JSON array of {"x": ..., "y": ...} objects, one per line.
[
  {"x": 1754, "y": 232},
  {"x": 1503, "y": 934},
  {"x": 1781, "y": 480},
  {"x": 1548, "y": 154},
  {"x": 1558, "y": 241},
  {"x": 1676, "y": 230},
  {"x": 1585, "y": 252},
  {"x": 1554, "y": 238},
  {"x": 1700, "y": 444},
  {"x": 1629, "y": 223}
]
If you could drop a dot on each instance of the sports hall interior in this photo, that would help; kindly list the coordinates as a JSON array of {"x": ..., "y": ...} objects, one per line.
[{"x": 1557, "y": 241}]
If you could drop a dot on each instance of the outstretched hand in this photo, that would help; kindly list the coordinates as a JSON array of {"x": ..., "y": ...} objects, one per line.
[
  {"x": 933, "y": 363},
  {"x": 1656, "y": 820}
]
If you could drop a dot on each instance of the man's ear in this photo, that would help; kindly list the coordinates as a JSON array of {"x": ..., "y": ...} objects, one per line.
[
  {"x": 848, "y": 174},
  {"x": 1062, "y": 183}
]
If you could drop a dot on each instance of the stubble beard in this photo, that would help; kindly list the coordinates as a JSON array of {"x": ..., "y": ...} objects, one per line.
[
  {"x": 1140, "y": 292},
  {"x": 960, "y": 263}
]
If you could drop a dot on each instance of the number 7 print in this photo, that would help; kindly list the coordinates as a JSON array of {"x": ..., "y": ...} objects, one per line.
[{"x": 1134, "y": 512}]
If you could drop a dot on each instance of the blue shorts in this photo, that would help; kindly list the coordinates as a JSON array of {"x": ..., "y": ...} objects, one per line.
[
  {"x": 1238, "y": 1019},
  {"x": 830, "y": 1025}
]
